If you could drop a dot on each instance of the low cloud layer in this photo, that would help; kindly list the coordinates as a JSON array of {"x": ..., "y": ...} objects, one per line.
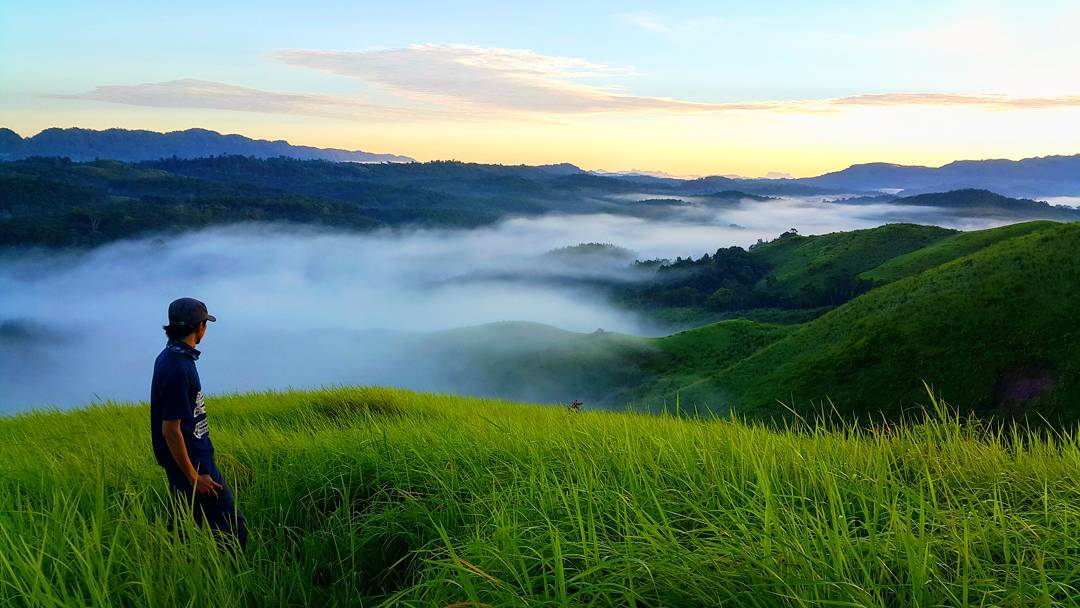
[{"x": 300, "y": 307}]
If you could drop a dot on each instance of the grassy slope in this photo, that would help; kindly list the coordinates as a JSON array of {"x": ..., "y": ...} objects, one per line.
[
  {"x": 1006, "y": 310},
  {"x": 802, "y": 261},
  {"x": 681, "y": 318},
  {"x": 691, "y": 356},
  {"x": 371, "y": 496},
  {"x": 807, "y": 275},
  {"x": 948, "y": 249}
]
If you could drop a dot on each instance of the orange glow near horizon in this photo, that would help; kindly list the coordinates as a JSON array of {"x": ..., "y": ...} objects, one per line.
[{"x": 749, "y": 143}]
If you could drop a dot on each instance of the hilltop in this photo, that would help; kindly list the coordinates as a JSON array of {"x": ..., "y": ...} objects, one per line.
[{"x": 984, "y": 203}]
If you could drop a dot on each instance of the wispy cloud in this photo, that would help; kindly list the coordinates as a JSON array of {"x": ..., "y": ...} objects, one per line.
[
  {"x": 513, "y": 80},
  {"x": 195, "y": 93},
  {"x": 1004, "y": 102},
  {"x": 457, "y": 82},
  {"x": 668, "y": 25},
  {"x": 648, "y": 21}
]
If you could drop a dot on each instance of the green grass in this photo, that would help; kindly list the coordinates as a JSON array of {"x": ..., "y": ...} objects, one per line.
[
  {"x": 948, "y": 249},
  {"x": 680, "y": 318},
  {"x": 363, "y": 497}
]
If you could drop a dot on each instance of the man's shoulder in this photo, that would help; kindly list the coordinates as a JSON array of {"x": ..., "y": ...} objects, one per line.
[{"x": 171, "y": 360}]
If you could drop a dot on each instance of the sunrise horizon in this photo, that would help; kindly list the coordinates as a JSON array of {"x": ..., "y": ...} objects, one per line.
[
  {"x": 774, "y": 173},
  {"x": 683, "y": 90}
]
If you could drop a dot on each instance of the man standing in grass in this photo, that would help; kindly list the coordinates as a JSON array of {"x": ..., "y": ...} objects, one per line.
[{"x": 180, "y": 430}]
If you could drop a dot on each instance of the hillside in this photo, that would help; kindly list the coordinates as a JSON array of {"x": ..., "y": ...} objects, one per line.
[
  {"x": 983, "y": 316},
  {"x": 135, "y": 145},
  {"x": 795, "y": 276},
  {"x": 389, "y": 498},
  {"x": 991, "y": 331},
  {"x": 947, "y": 249},
  {"x": 817, "y": 263}
]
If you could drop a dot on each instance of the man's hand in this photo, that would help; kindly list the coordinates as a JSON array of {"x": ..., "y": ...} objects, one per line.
[{"x": 204, "y": 484}]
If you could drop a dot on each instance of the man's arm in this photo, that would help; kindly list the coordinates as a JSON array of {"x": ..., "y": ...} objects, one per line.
[{"x": 174, "y": 437}]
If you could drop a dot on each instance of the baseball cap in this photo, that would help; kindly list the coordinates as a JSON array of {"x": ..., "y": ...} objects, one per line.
[{"x": 188, "y": 312}]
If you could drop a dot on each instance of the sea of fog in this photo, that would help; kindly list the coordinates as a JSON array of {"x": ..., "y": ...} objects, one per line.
[{"x": 300, "y": 307}]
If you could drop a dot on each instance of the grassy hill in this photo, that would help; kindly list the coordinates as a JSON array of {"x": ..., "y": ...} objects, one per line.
[
  {"x": 985, "y": 317},
  {"x": 790, "y": 279},
  {"x": 946, "y": 249},
  {"x": 992, "y": 330},
  {"x": 380, "y": 497},
  {"x": 800, "y": 263}
]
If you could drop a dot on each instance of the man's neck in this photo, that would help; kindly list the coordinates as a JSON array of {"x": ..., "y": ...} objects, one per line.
[{"x": 190, "y": 340}]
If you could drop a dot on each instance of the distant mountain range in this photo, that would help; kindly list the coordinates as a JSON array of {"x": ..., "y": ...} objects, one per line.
[
  {"x": 136, "y": 146},
  {"x": 1048, "y": 176},
  {"x": 1041, "y": 176}
]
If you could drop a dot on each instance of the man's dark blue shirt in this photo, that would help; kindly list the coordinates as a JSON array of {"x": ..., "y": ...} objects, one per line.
[{"x": 176, "y": 394}]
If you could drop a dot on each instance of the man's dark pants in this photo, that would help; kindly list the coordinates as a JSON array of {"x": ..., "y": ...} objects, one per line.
[{"x": 219, "y": 512}]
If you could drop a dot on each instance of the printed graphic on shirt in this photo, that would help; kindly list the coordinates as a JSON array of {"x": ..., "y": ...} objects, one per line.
[{"x": 202, "y": 427}]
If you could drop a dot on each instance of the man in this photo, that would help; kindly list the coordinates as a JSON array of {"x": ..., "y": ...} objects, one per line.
[{"x": 180, "y": 429}]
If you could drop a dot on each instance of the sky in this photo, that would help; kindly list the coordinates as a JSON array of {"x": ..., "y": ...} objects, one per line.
[{"x": 687, "y": 88}]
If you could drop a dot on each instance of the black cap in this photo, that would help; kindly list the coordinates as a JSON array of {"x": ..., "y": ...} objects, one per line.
[{"x": 188, "y": 312}]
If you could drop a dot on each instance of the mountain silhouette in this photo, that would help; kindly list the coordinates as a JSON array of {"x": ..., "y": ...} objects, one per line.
[{"x": 136, "y": 145}]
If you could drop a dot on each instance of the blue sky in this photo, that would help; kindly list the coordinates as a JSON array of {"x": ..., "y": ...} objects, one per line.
[{"x": 541, "y": 82}]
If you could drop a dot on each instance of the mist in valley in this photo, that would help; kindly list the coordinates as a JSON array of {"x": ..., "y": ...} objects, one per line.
[{"x": 302, "y": 307}]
